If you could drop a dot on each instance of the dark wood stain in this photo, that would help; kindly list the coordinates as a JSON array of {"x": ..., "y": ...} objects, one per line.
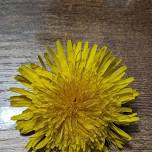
[{"x": 27, "y": 27}]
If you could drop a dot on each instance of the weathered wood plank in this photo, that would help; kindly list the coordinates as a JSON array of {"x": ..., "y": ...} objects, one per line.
[{"x": 26, "y": 27}]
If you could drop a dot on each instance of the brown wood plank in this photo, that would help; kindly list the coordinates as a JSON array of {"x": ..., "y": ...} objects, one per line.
[{"x": 27, "y": 27}]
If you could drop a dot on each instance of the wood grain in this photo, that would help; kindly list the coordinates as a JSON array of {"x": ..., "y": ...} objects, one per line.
[{"x": 27, "y": 27}]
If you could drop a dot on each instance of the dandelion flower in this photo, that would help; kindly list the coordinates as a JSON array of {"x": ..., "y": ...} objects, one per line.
[{"x": 75, "y": 100}]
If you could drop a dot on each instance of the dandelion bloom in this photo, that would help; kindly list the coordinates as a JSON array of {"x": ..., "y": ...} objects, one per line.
[{"x": 75, "y": 100}]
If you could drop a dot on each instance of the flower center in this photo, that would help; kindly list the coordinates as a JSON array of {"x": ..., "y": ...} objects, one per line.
[{"x": 75, "y": 99}]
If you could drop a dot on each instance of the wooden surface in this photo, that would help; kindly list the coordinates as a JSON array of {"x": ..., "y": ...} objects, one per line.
[{"x": 28, "y": 26}]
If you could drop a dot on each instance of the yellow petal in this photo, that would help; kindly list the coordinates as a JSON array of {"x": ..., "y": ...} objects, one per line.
[
  {"x": 20, "y": 101},
  {"x": 42, "y": 144},
  {"x": 41, "y": 62},
  {"x": 51, "y": 65},
  {"x": 120, "y": 132},
  {"x": 69, "y": 51},
  {"x": 26, "y": 115},
  {"x": 92, "y": 55},
  {"x": 22, "y": 92}
]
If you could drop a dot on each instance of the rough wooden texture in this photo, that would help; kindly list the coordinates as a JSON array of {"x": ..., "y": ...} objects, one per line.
[{"x": 28, "y": 26}]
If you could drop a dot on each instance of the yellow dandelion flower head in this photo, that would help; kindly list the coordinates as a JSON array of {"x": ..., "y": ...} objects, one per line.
[{"x": 75, "y": 100}]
